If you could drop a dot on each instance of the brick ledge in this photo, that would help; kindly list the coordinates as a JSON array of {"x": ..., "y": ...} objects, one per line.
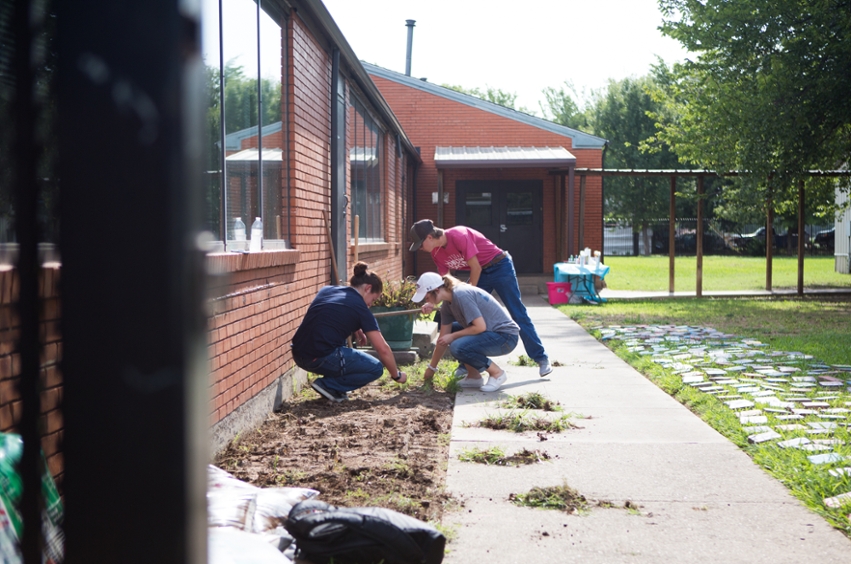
[{"x": 236, "y": 262}]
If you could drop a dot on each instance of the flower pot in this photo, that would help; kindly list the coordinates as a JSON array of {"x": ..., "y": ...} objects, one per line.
[{"x": 397, "y": 330}]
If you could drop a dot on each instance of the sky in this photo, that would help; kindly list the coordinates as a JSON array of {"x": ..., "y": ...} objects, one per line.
[{"x": 520, "y": 48}]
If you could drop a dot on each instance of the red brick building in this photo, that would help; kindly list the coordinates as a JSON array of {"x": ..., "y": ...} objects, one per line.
[{"x": 495, "y": 169}]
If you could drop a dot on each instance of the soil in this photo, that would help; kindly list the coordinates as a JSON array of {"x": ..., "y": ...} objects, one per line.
[{"x": 388, "y": 446}]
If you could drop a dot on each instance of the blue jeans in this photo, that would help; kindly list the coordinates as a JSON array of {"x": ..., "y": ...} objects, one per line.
[
  {"x": 502, "y": 278},
  {"x": 344, "y": 369},
  {"x": 475, "y": 349}
]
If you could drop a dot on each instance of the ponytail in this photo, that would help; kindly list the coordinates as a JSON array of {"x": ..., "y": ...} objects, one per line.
[{"x": 364, "y": 276}]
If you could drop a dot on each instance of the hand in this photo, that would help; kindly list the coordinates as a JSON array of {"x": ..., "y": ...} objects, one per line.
[
  {"x": 400, "y": 378},
  {"x": 427, "y": 308},
  {"x": 361, "y": 338},
  {"x": 445, "y": 340}
]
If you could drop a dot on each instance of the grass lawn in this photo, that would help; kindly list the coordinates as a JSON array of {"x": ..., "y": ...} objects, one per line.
[
  {"x": 821, "y": 328},
  {"x": 721, "y": 273}
]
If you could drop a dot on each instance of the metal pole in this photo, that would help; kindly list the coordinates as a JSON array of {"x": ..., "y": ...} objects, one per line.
[
  {"x": 671, "y": 234},
  {"x": 769, "y": 241},
  {"x": 699, "y": 257},
  {"x": 801, "y": 236},
  {"x": 410, "y": 25}
]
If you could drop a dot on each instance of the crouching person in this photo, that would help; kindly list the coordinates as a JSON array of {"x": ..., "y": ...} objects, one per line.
[
  {"x": 473, "y": 325},
  {"x": 319, "y": 344}
]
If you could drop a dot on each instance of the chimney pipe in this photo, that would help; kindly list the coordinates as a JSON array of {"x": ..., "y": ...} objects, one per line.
[{"x": 410, "y": 25}]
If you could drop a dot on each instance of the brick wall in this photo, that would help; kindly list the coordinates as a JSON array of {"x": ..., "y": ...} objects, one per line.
[
  {"x": 10, "y": 365},
  {"x": 431, "y": 120}
]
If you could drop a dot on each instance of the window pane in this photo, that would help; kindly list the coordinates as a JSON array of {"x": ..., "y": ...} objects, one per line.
[
  {"x": 478, "y": 208},
  {"x": 270, "y": 121},
  {"x": 518, "y": 208},
  {"x": 212, "y": 153},
  {"x": 365, "y": 166},
  {"x": 239, "y": 45}
]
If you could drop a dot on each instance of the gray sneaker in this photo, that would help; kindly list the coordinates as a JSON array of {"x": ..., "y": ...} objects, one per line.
[
  {"x": 461, "y": 371},
  {"x": 544, "y": 367},
  {"x": 327, "y": 393}
]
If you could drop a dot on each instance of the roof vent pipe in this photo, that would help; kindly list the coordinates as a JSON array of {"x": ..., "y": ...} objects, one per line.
[{"x": 410, "y": 25}]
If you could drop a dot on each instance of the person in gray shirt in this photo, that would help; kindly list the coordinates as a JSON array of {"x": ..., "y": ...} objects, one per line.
[{"x": 473, "y": 325}]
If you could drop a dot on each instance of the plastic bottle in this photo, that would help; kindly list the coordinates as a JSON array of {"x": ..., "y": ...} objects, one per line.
[
  {"x": 238, "y": 230},
  {"x": 256, "y": 235}
]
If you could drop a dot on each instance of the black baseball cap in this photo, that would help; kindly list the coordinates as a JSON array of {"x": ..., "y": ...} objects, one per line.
[{"x": 419, "y": 231}]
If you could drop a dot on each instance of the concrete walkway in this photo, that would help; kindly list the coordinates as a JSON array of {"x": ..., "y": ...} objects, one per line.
[{"x": 701, "y": 499}]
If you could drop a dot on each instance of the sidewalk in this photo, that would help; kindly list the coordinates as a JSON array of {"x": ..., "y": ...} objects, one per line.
[{"x": 701, "y": 499}]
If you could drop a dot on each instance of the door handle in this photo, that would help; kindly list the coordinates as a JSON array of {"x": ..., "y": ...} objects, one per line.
[{"x": 502, "y": 228}]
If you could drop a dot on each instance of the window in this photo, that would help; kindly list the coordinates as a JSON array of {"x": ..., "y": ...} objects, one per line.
[
  {"x": 365, "y": 160},
  {"x": 245, "y": 148}
]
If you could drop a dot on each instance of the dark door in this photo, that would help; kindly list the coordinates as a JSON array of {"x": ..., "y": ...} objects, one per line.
[{"x": 509, "y": 213}]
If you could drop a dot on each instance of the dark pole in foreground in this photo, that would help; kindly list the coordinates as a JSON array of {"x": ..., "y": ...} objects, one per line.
[
  {"x": 134, "y": 348},
  {"x": 801, "y": 236}
]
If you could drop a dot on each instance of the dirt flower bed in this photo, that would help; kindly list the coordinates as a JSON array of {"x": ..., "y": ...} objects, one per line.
[{"x": 387, "y": 446}]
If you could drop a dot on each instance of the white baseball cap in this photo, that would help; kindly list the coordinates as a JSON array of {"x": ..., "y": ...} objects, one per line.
[{"x": 428, "y": 281}]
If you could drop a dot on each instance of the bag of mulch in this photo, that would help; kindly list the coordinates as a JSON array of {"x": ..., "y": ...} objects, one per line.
[
  {"x": 362, "y": 535},
  {"x": 11, "y": 491},
  {"x": 234, "y": 503}
]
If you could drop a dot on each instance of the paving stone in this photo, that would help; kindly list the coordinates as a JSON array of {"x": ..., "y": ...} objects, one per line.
[
  {"x": 755, "y": 419},
  {"x": 753, "y": 430},
  {"x": 792, "y": 417},
  {"x": 822, "y": 425},
  {"x": 825, "y": 458},
  {"x": 814, "y": 447},
  {"x": 815, "y": 404},
  {"x": 729, "y": 397},
  {"x": 764, "y": 437},
  {"x": 739, "y": 404},
  {"x": 692, "y": 379},
  {"x": 788, "y": 369},
  {"x": 794, "y": 443},
  {"x": 839, "y": 472},
  {"x": 749, "y": 389},
  {"x": 804, "y": 411},
  {"x": 791, "y": 427},
  {"x": 838, "y": 500},
  {"x": 715, "y": 371},
  {"x": 803, "y": 379},
  {"x": 763, "y": 394}
]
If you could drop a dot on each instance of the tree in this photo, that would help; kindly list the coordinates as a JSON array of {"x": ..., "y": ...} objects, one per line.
[
  {"x": 562, "y": 108},
  {"x": 495, "y": 95},
  {"x": 622, "y": 114},
  {"x": 767, "y": 93}
]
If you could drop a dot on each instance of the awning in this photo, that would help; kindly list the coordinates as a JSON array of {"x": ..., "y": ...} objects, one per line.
[
  {"x": 503, "y": 157},
  {"x": 252, "y": 155}
]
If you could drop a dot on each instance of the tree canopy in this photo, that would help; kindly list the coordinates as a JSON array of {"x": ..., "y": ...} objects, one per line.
[{"x": 766, "y": 93}]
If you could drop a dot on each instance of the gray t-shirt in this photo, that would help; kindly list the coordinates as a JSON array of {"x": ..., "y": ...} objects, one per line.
[{"x": 469, "y": 303}]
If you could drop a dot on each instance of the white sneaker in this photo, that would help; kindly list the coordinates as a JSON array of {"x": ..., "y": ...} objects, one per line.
[
  {"x": 544, "y": 367},
  {"x": 468, "y": 382},
  {"x": 495, "y": 383}
]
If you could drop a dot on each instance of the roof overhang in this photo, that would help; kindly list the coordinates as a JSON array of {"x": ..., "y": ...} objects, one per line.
[
  {"x": 503, "y": 157},
  {"x": 252, "y": 155}
]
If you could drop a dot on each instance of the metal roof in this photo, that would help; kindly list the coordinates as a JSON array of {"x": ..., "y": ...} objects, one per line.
[
  {"x": 252, "y": 155},
  {"x": 502, "y": 157},
  {"x": 579, "y": 139}
]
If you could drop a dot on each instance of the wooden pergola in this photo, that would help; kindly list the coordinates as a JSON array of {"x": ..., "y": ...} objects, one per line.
[{"x": 566, "y": 242}]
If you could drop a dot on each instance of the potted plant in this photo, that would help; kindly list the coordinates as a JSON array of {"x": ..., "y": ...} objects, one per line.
[{"x": 397, "y": 330}]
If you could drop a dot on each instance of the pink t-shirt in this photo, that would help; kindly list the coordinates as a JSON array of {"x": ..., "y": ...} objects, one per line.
[{"x": 462, "y": 244}]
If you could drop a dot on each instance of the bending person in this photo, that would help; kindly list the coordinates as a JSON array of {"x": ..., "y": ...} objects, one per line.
[
  {"x": 483, "y": 328},
  {"x": 491, "y": 268},
  {"x": 319, "y": 344}
]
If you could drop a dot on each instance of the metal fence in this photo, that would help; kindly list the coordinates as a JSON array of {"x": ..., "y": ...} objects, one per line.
[{"x": 719, "y": 238}]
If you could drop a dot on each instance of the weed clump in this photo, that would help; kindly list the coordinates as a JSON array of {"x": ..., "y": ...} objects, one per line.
[
  {"x": 496, "y": 456},
  {"x": 520, "y": 422},
  {"x": 532, "y": 400}
]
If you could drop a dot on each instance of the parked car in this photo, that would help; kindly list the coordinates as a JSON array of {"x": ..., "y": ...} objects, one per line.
[{"x": 826, "y": 240}]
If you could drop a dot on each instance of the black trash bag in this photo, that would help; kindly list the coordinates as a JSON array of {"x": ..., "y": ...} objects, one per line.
[{"x": 362, "y": 535}]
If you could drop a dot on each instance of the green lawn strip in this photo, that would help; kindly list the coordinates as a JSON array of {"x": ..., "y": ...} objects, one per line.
[
  {"x": 819, "y": 327},
  {"x": 808, "y": 482},
  {"x": 650, "y": 274}
]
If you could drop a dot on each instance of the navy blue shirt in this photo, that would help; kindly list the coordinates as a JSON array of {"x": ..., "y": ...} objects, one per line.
[{"x": 335, "y": 313}]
